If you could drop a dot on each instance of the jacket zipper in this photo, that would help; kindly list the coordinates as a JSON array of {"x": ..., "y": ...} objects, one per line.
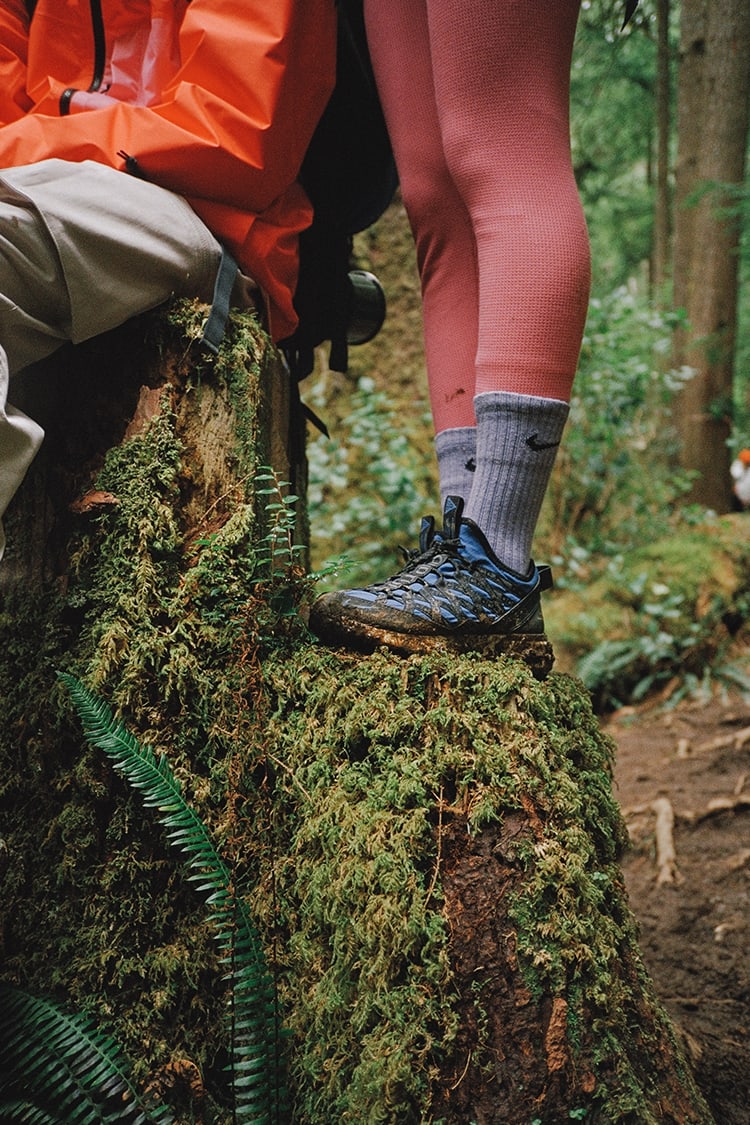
[{"x": 97, "y": 26}]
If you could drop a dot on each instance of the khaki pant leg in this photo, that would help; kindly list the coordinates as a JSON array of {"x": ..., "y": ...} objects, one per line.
[
  {"x": 123, "y": 245},
  {"x": 20, "y": 439}
]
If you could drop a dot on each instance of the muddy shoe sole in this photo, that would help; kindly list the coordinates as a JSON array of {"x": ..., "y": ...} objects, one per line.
[{"x": 534, "y": 649}]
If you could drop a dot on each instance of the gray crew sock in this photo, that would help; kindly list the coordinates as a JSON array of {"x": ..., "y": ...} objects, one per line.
[
  {"x": 517, "y": 440},
  {"x": 456, "y": 457}
]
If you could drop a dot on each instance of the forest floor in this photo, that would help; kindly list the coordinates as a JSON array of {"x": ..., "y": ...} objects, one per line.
[{"x": 694, "y": 761}]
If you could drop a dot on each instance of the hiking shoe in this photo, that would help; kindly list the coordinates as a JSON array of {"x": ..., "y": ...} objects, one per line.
[{"x": 452, "y": 593}]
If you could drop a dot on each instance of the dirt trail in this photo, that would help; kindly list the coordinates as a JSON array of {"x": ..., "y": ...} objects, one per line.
[{"x": 694, "y": 763}]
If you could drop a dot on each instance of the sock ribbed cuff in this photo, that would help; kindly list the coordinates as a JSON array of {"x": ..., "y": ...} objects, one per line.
[
  {"x": 456, "y": 457},
  {"x": 552, "y": 412},
  {"x": 517, "y": 441}
]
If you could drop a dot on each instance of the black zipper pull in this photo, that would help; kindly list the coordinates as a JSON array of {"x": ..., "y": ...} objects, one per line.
[{"x": 131, "y": 165}]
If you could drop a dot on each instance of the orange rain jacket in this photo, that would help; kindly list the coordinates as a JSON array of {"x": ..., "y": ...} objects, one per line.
[{"x": 214, "y": 99}]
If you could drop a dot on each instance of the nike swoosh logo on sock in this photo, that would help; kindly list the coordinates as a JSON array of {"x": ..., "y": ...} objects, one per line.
[{"x": 533, "y": 443}]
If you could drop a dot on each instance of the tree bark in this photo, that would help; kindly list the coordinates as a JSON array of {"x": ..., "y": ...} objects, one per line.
[
  {"x": 713, "y": 93},
  {"x": 661, "y": 256},
  {"x": 106, "y": 392},
  {"x": 429, "y": 845}
]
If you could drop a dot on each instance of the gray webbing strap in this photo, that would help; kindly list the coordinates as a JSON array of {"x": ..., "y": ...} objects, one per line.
[{"x": 213, "y": 331}]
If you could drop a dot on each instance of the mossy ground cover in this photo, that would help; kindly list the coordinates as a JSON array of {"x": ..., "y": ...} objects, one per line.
[
  {"x": 330, "y": 782},
  {"x": 150, "y": 613}
]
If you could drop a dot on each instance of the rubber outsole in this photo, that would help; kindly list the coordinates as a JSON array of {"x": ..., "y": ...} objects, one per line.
[{"x": 534, "y": 649}]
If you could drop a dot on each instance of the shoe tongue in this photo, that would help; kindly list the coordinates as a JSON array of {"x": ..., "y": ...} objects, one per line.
[
  {"x": 454, "y": 506},
  {"x": 475, "y": 548}
]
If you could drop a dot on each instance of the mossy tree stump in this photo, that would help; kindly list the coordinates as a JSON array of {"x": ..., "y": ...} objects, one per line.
[{"x": 430, "y": 845}]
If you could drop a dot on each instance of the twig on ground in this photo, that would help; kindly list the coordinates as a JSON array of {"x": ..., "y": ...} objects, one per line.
[
  {"x": 666, "y": 856},
  {"x": 736, "y": 740}
]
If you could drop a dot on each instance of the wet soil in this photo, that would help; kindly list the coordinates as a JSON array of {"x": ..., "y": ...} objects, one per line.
[{"x": 692, "y": 763}]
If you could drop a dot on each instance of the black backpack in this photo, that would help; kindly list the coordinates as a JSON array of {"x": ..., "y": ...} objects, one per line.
[{"x": 349, "y": 175}]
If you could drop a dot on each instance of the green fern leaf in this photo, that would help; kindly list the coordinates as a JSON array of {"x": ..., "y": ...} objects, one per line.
[
  {"x": 260, "y": 1096},
  {"x": 59, "y": 1068},
  {"x": 19, "y": 1111}
]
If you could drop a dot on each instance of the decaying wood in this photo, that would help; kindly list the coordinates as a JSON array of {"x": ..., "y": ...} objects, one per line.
[
  {"x": 736, "y": 740},
  {"x": 737, "y": 801},
  {"x": 718, "y": 805},
  {"x": 684, "y": 748},
  {"x": 106, "y": 392},
  {"x": 737, "y": 861}
]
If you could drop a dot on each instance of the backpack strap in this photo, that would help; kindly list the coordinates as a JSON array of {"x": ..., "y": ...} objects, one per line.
[{"x": 215, "y": 326}]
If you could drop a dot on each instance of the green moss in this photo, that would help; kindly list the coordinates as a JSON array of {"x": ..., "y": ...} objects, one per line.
[
  {"x": 345, "y": 765},
  {"x": 244, "y": 366},
  {"x": 328, "y": 778},
  {"x": 93, "y": 908},
  {"x": 361, "y": 753}
]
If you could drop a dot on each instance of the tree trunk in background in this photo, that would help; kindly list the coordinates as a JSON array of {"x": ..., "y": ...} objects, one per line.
[
  {"x": 429, "y": 845},
  {"x": 661, "y": 255},
  {"x": 713, "y": 90}
]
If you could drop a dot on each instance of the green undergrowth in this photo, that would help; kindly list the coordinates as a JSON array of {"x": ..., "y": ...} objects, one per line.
[{"x": 666, "y": 612}]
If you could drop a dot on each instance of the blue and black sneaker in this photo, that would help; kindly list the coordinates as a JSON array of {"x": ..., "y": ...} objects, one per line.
[{"x": 452, "y": 593}]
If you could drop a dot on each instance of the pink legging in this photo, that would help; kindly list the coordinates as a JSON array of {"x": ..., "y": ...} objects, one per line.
[{"x": 475, "y": 93}]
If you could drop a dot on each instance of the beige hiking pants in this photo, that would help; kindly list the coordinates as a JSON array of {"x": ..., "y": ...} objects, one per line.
[{"x": 82, "y": 249}]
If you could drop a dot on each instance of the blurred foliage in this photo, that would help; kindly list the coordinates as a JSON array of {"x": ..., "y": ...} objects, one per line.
[
  {"x": 741, "y": 436},
  {"x": 615, "y": 481},
  {"x": 668, "y": 615},
  {"x": 613, "y": 133},
  {"x": 376, "y": 517}
]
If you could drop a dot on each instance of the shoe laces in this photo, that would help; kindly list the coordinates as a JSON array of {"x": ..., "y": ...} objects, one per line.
[
  {"x": 439, "y": 553},
  {"x": 443, "y": 552}
]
